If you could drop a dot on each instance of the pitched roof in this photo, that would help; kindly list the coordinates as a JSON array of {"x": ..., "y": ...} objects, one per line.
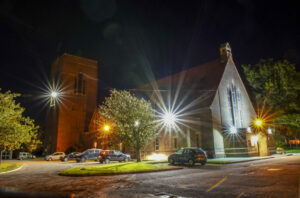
[{"x": 204, "y": 79}]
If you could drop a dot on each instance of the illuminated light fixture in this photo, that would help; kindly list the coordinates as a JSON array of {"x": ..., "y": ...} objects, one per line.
[
  {"x": 169, "y": 119},
  {"x": 269, "y": 131},
  {"x": 233, "y": 130},
  {"x": 136, "y": 123},
  {"x": 249, "y": 129},
  {"x": 54, "y": 94},
  {"x": 258, "y": 122},
  {"x": 157, "y": 157},
  {"x": 106, "y": 128},
  {"x": 53, "y": 98}
]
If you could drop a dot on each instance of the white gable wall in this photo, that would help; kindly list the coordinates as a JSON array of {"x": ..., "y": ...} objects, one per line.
[{"x": 221, "y": 114}]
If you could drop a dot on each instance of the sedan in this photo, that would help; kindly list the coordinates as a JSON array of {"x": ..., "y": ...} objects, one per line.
[{"x": 112, "y": 155}]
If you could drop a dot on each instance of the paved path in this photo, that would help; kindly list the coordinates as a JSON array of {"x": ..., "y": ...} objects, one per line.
[{"x": 270, "y": 178}]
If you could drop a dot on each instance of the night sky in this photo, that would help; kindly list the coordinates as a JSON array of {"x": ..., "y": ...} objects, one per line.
[{"x": 131, "y": 38}]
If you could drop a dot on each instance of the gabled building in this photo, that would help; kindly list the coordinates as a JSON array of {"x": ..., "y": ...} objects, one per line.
[{"x": 213, "y": 108}]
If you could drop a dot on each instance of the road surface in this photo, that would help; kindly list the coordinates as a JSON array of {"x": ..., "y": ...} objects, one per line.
[{"x": 270, "y": 178}]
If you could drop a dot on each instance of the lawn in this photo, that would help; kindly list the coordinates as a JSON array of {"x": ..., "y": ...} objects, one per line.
[
  {"x": 292, "y": 150},
  {"x": 109, "y": 169},
  {"x": 5, "y": 166},
  {"x": 218, "y": 161}
]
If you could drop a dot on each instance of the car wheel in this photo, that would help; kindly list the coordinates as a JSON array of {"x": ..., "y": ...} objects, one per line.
[
  {"x": 101, "y": 161},
  {"x": 50, "y": 159},
  {"x": 171, "y": 161},
  {"x": 66, "y": 159},
  {"x": 203, "y": 163},
  {"x": 191, "y": 162},
  {"x": 126, "y": 159},
  {"x": 82, "y": 159},
  {"x": 106, "y": 161}
]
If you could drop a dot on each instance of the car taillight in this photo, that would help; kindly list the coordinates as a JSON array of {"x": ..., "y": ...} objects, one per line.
[{"x": 199, "y": 155}]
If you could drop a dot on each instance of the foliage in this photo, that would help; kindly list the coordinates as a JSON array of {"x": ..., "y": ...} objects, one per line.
[
  {"x": 15, "y": 129},
  {"x": 277, "y": 84},
  {"x": 122, "y": 110},
  {"x": 279, "y": 140}
]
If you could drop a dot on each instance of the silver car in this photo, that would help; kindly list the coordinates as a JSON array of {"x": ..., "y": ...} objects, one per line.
[{"x": 55, "y": 156}]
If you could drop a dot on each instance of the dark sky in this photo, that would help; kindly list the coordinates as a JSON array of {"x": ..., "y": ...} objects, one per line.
[{"x": 131, "y": 38}]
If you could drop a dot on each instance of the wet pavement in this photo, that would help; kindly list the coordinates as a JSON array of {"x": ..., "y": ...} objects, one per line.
[{"x": 276, "y": 177}]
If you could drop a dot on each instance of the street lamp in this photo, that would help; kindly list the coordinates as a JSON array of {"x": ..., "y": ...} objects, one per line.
[
  {"x": 258, "y": 122},
  {"x": 106, "y": 128},
  {"x": 53, "y": 96},
  {"x": 169, "y": 119},
  {"x": 136, "y": 123}
]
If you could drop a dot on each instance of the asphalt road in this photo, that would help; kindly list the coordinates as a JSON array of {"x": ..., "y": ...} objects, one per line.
[{"x": 270, "y": 178}]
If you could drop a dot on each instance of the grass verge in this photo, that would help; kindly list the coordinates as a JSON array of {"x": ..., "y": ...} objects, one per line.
[
  {"x": 218, "y": 162},
  {"x": 114, "y": 169},
  {"x": 292, "y": 150},
  {"x": 6, "y": 166}
]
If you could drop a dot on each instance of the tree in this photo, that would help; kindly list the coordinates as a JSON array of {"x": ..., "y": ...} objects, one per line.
[
  {"x": 276, "y": 84},
  {"x": 15, "y": 129},
  {"x": 132, "y": 119}
]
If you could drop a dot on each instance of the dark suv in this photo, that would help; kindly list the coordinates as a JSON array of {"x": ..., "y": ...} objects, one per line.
[
  {"x": 90, "y": 154},
  {"x": 112, "y": 155},
  {"x": 190, "y": 155}
]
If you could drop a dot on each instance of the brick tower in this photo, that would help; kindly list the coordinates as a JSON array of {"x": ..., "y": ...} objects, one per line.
[{"x": 77, "y": 79}]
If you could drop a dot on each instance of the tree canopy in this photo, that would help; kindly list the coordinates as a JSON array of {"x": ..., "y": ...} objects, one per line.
[
  {"x": 276, "y": 84},
  {"x": 15, "y": 129},
  {"x": 132, "y": 119}
]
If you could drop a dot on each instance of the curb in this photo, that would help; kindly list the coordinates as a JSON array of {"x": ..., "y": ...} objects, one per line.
[
  {"x": 12, "y": 170},
  {"x": 123, "y": 173},
  {"x": 248, "y": 160}
]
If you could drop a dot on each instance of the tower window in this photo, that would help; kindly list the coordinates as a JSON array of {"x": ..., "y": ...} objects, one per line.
[
  {"x": 79, "y": 88},
  {"x": 79, "y": 84}
]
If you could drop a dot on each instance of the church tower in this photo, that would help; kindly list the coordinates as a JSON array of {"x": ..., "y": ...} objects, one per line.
[
  {"x": 225, "y": 52},
  {"x": 76, "y": 79}
]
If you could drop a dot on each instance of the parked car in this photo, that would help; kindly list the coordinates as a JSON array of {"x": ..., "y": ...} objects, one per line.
[
  {"x": 25, "y": 155},
  {"x": 70, "y": 156},
  {"x": 112, "y": 155},
  {"x": 55, "y": 156},
  {"x": 90, "y": 154},
  {"x": 190, "y": 155}
]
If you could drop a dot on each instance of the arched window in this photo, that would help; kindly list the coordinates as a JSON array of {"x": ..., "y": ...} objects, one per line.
[{"x": 234, "y": 106}]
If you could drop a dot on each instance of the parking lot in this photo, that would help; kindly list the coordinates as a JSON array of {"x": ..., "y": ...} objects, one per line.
[{"x": 274, "y": 178}]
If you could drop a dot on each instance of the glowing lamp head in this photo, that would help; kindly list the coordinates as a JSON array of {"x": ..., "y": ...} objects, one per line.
[
  {"x": 106, "y": 128},
  {"x": 136, "y": 123},
  {"x": 54, "y": 94},
  {"x": 233, "y": 130},
  {"x": 269, "y": 131},
  {"x": 258, "y": 122},
  {"x": 169, "y": 118}
]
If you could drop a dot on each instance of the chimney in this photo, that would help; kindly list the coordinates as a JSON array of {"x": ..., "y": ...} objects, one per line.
[{"x": 225, "y": 52}]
